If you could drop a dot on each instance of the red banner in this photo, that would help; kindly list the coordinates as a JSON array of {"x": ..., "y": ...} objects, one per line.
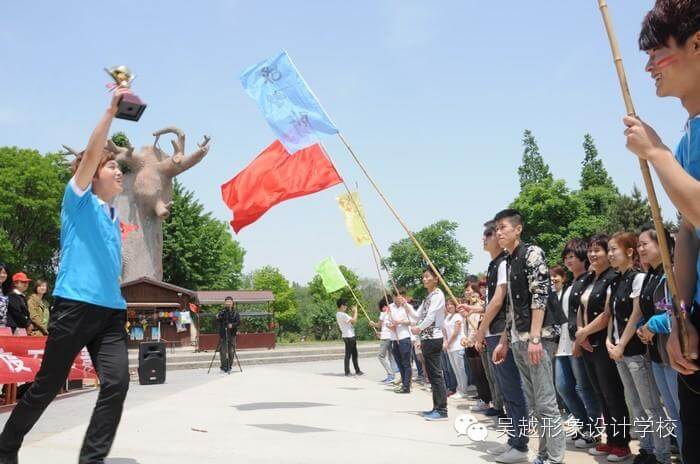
[{"x": 33, "y": 347}]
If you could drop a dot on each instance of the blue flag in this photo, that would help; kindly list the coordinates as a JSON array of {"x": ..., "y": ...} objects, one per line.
[{"x": 287, "y": 103}]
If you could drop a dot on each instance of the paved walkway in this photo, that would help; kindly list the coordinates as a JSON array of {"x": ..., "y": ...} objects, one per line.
[{"x": 289, "y": 413}]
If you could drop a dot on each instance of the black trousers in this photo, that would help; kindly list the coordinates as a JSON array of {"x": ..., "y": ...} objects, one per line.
[
  {"x": 351, "y": 352},
  {"x": 689, "y": 398},
  {"x": 607, "y": 385},
  {"x": 402, "y": 354},
  {"x": 476, "y": 367},
  {"x": 432, "y": 353},
  {"x": 72, "y": 326},
  {"x": 227, "y": 347}
]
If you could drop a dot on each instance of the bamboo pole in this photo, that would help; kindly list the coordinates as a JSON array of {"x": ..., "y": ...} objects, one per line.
[
  {"x": 364, "y": 222},
  {"x": 680, "y": 315},
  {"x": 403, "y": 224},
  {"x": 360, "y": 305}
]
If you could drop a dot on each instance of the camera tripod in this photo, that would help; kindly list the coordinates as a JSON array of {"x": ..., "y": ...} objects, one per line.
[{"x": 230, "y": 361}]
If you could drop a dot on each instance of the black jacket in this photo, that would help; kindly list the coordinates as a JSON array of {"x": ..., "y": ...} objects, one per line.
[
  {"x": 578, "y": 286},
  {"x": 498, "y": 324},
  {"x": 17, "y": 311},
  {"x": 653, "y": 291},
  {"x": 621, "y": 306},
  {"x": 522, "y": 297},
  {"x": 597, "y": 300},
  {"x": 226, "y": 317}
]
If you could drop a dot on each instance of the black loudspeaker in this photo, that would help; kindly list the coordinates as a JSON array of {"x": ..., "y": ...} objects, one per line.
[{"x": 151, "y": 363}]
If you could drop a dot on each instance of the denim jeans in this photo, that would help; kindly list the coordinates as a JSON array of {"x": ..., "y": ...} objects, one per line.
[
  {"x": 385, "y": 356},
  {"x": 402, "y": 353},
  {"x": 538, "y": 384},
  {"x": 578, "y": 397},
  {"x": 584, "y": 388},
  {"x": 508, "y": 377},
  {"x": 419, "y": 364},
  {"x": 448, "y": 373},
  {"x": 667, "y": 382},
  {"x": 432, "y": 353},
  {"x": 496, "y": 396},
  {"x": 457, "y": 363},
  {"x": 644, "y": 397}
]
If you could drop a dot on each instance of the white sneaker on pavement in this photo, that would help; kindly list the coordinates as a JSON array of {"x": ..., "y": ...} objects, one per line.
[
  {"x": 498, "y": 450},
  {"x": 480, "y": 406},
  {"x": 512, "y": 456}
]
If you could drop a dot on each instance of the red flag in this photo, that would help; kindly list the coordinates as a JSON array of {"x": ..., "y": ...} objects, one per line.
[{"x": 275, "y": 176}]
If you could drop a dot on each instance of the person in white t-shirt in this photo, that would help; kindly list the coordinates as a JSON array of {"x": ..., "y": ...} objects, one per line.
[
  {"x": 432, "y": 314},
  {"x": 346, "y": 324},
  {"x": 385, "y": 339},
  {"x": 453, "y": 335},
  {"x": 402, "y": 317}
]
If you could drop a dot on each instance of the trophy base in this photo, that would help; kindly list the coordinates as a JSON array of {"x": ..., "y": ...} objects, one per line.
[{"x": 130, "y": 108}]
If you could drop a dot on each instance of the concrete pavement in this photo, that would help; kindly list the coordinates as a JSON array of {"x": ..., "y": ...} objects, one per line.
[{"x": 287, "y": 413}]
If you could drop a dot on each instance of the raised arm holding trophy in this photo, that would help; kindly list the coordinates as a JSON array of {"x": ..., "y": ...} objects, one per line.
[{"x": 130, "y": 106}]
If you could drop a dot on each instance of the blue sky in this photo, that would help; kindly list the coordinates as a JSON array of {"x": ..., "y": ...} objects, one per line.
[{"x": 433, "y": 96}]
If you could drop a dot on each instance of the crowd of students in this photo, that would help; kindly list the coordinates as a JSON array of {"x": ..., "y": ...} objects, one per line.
[
  {"x": 26, "y": 315},
  {"x": 596, "y": 336},
  {"x": 579, "y": 347}
]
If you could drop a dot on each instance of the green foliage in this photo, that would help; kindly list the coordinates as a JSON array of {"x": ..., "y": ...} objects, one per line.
[
  {"x": 629, "y": 213},
  {"x": 198, "y": 250},
  {"x": 30, "y": 204},
  {"x": 120, "y": 139},
  {"x": 533, "y": 168},
  {"x": 317, "y": 307},
  {"x": 593, "y": 173},
  {"x": 549, "y": 210},
  {"x": 440, "y": 243},
  {"x": 284, "y": 306}
]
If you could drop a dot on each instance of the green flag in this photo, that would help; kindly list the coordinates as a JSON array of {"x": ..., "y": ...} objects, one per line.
[{"x": 333, "y": 279}]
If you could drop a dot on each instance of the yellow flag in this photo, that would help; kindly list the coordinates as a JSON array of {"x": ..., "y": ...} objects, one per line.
[{"x": 353, "y": 218}]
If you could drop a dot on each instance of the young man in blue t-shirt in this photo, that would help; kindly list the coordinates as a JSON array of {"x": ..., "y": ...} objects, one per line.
[
  {"x": 671, "y": 37},
  {"x": 89, "y": 310}
]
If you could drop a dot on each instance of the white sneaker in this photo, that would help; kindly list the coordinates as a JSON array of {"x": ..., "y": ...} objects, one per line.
[
  {"x": 512, "y": 456},
  {"x": 498, "y": 450},
  {"x": 480, "y": 406},
  {"x": 457, "y": 396},
  {"x": 586, "y": 440}
]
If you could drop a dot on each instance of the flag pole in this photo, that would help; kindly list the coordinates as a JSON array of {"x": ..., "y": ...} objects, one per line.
[
  {"x": 379, "y": 274},
  {"x": 679, "y": 313},
  {"x": 361, "y": 306},
  {"x": 403, "y": 224},
  {"x": 364, "y": 222}
]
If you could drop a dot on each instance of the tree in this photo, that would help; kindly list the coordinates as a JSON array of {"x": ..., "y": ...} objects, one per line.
[
  {"x": 550, "y": 213},
  {"x": 440, "y": 243},
  {"x": 323, "y": 306},
  {"x": 593, "y": 173},
  {"x": 30, "y": 205},
  {"x": 198, "y": 250},
  {"x": 284, "y": 306},
  {"x": 629, "y": 213},
  {"x": 533, "y": 168}
]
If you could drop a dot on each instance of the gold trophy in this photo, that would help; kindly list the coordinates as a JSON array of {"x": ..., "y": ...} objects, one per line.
[{"x": 130, "y": 106}]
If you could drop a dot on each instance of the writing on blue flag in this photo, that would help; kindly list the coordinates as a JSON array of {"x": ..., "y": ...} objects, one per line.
[{"x": 287, "y": 103}]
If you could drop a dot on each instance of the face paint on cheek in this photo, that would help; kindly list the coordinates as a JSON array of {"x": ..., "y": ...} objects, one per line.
[{"x": 666, "y": 61}]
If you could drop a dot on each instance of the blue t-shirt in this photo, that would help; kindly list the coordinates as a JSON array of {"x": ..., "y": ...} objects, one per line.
[
  {"x": 688, "y": 155},
  {"x": 91, "y": 251}
]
